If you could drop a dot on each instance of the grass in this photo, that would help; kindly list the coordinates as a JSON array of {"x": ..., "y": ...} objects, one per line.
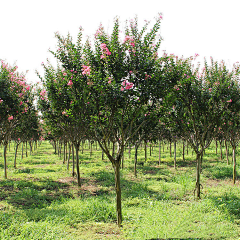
[{"x": 41, "y": 200}]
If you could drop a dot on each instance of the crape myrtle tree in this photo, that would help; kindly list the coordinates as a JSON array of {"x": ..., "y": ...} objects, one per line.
[
  {"x": 117, "y": 79},
  {"x": 230, "y": 125},
  {"x": 14, "y": 92},
  {"x": 198, "y": 102}
]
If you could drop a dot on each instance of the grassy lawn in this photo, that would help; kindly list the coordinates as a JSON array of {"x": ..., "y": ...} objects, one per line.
[{"x": 41, "y": 200}]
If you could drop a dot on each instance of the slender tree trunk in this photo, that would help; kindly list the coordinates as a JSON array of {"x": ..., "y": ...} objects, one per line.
[
  {"x": 15, "y": 158},
  {"x": 197, "y": 188},
  {"x": 102, "y": 155},
  {"x": 64, "y": 152},
  {"x": 216, "y": 146},
  {"x": 183, "y": 151},
  {"x": 145, "y": 150},
  {"x": 159, "y": 154},
  {"x": 175, "y": 154},
  {"x": 73, "y": 163},
  {"x": 118, "y": 192},
  {"x": 91, "y": 148},
  {"x": 5, "y": 159},
  {"x": 234, "y": 163},
  {"x": 26, "y": 149},
  {"x": 226, "y": 147},
  {"x": 163, "y": 146},
  {"x": 170, "y": 147},
  {"x": 69, "y": 153},
  {"x": 22, "y": 149},
  {"x": 135, "y": 159},
  {"x": 150, "y": 152},
  {"x": 221, "y": 155},
  {"x": 77, "y": 164}
]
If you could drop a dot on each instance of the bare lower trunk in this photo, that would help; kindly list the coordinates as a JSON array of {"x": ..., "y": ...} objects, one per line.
[
  {"x": 226, "y": 147},
  {"x": 64, "y": 152},
  {"x": 234, "y": 164},
  {"x": 197, "y": 188},
  {"x": 135, "y": 160},
  {"x": 77, "y": 164},
  {"x": 159, "y": 156},
  {"x": 183, "y": 151},
  {"x": 145, "y": 150},
  {"x": 26, "y": 149},
  {"x": 5, "y": 159},
  {"x": 69, "y": 153},
  {"x": 175, "y": 154},
  {"x": 15, "y": 158},
  {"x": 73, "y": 162},
  {"x": 170, "y": 148},
  {"x": 118, "y": 192}
]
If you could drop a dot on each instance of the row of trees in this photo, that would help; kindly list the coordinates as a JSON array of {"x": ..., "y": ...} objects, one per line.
[
  {"x": 18, "y": 116},
  {"x": 120, "y": 91}
]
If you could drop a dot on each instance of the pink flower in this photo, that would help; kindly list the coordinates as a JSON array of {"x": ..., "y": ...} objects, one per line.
[
  {"x": 19, "y": 139},
  {"x": 10, "y": 118},
  {"x": 1, "y": 100},
  {"x": 21, "y": 103},
  {"x": 43, "y": 92},
  {"x": 86, "y": 70},
  {"x": 109, "y": 81},
  {"x": 122, "y": 88},
  {"x": 229, "y": 100},
  {"x": 70, "y": 83},
  {"x": 64, "y": 74},
  {"x": 129, "y": 85}
]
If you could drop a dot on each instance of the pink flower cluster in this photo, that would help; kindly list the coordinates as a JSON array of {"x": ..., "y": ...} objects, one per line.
[
  {"x": 126, "y": 85},
  {"x": 129, "y": 39},
  {"x": 86, "y": 70},
  {"x": 10, "y": 118},
  {"x": 70, "y": 83},
  {"x": 1, "y": 100},
  {"x": 105, "y": 51}
]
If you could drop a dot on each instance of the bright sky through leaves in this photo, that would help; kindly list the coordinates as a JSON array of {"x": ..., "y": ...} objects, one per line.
[{"x": 206, "y": 27}]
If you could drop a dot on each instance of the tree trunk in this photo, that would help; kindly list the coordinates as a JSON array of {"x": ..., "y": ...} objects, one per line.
[
  {"x": 135, "y": 160},
  {"x": 170, "y": 147},
  {"x": 197, "y": 188},
  {"x": 226, "y": 147},
  {"x": 5, "y": 159},
  {"x": 122, "y": 158},
  {"x": 26, "y": 149},
  {"x": 145, "y": 150},
  {"x": 150, "y": 152},
  {"x": 102, "y": 155},
  {"x": 22, "y": 149},
  {"x": 159, "y": 156},
  {"x": 234, "y": 164},
  {"x": 64, "y": 152},
  {"x": 220, "y": 143},
  {"x": 183, "y": 151},
  {"x": 69, "y": 153},
  {"x": 15, "y": 158},
  {"x": 129, "y": 151},
  {"x": 118, "y": 192},
  {"x": 216, "y": 147},
  {"x": 175, "y": 154},
  {"x": 73, "y": 163},
  {"x": 77, "y": 164}
]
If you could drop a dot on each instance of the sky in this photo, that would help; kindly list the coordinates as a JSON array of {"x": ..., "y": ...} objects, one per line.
[{"x": 206, "y": 27}]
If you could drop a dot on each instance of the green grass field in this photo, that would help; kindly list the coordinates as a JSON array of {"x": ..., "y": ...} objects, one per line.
[{"x": 41, "y": 200}]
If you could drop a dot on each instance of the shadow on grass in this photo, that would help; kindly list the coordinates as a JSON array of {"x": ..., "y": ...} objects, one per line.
[
  {"x": 218, "y": 172},
  {"x": 227, "y": 202},
  {"x": 33, "y": 170},
  {"x": 33, "y": 193}
]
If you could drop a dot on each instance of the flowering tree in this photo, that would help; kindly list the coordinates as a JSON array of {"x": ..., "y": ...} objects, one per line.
[
  {"x": 14, "y": 94},
  {"x": 111, "y": 84},
  {"x": 199, "y": 102}
]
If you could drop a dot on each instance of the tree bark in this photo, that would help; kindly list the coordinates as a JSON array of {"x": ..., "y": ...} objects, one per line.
[
  {"x": 197, "y": 188},
  {"x": 135, "y": 160},
  {"x": 5, "y": 159},
  {"x": 73, "y": 163},
  {"x": 77, "y": 164},
  {"x": 226, "y": 147},
  {"x": 15, "y": 158},
  {"x": 145, "y": 150},
  {"x": 175, "y": 154},
  {"x": 183, "y": 151},
  {"x": 118, "y": 192},
  {"x": 234, "y": 163},
  {"x": 159, "y": 155}
]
